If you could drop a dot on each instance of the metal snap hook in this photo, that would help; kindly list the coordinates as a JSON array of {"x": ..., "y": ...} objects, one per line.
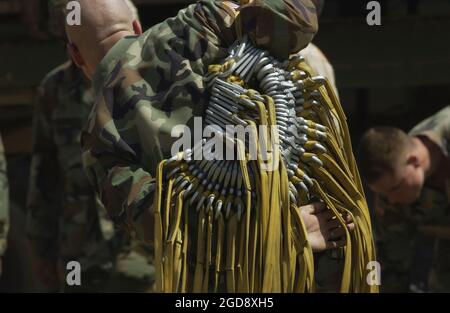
[
  {"x": 218, "y": 209},
  {"x": 210, "y": 203},
  {"x": 252, "y": 70}
]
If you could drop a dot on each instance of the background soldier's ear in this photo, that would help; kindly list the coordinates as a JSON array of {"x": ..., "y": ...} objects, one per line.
[
  {"x": 137, "y": 27},
  {"x": 413, "y": 160},
  {"x": 75, "y": 55}
]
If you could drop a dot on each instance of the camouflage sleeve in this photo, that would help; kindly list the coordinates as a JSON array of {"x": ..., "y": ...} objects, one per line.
[
  {"x": 4, "y": 202},
  {"x": 396, "y": 234},
  {"x": 124, "y": 187},
  {"x": 44, "y": 195}
]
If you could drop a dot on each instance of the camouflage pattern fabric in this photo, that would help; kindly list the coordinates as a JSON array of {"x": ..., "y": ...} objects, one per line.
[
  {"x": 148, "y": 84},
  {"x": 4, "y": 203},
  {"x": 396, "y": 236},
  {"x": 400, "y": 228},
  {"x": 133, "y": 270},
  {"x": 56, "y": 17},
  {"x": 66, "y": 220},
  {"x": 63, "y": 214}
]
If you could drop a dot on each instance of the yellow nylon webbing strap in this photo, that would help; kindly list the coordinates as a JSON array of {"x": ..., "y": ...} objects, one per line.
[{"x": 241, "y": 220}]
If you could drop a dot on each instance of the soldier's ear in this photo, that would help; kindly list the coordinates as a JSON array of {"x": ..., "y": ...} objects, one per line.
[
  {"x": 137, "y": 27},
  {"x": 413, "y": 160},
  {"x": 75, "y": 55}
]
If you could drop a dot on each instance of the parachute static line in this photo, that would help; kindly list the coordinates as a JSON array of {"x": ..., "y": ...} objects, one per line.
[{"x": 242, "y": 217}]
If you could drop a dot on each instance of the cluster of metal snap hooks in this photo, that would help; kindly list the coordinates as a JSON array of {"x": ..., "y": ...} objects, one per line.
[{"x": 249, "y": 235}]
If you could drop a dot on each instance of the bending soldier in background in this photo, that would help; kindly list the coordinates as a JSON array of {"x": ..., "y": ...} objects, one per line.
[
  {"x": 410, "y": 173},
  {"x": 63, "y": 223},
  {"x": 4, "y": 204},
  {"x": 66, "y": 220}
]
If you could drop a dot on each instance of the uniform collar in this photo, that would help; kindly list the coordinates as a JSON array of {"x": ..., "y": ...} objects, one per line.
[{"x": 114, "y": 55}]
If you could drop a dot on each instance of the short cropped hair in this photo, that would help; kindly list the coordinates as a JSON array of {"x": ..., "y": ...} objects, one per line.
[{"x": 380, "y": 150}]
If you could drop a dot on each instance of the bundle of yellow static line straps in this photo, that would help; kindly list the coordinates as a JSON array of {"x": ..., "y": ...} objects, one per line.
[{"x": 235, "y": 225}]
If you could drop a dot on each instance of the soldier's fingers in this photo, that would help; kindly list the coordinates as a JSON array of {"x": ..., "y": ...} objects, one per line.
[
  {"x": 348, "y": 218},
  {"x": 351, "y": 226},
  {"x": 328, "y": 214},
  {"x": 314, "y": 208},
  {"x": 333, "y": 244},
  {"x": 333, "y": 223},
  {"x": 337, "y": 232}
]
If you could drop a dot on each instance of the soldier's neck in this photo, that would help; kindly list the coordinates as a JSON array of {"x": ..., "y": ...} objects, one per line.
[{"x": 432, "y": 160}]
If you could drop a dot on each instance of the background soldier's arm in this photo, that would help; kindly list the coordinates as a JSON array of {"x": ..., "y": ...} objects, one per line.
[{"x": 44, "y": 197}]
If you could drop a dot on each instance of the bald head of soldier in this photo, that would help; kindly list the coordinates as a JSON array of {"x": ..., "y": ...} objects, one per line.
[{"x": 103, "y": 24}]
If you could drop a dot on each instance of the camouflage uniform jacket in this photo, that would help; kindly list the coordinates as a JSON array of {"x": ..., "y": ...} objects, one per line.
[
  {"x": 63, "y": 219},
  {"x": 147, "y": 84},
  {"x": 4, "y": 202}
]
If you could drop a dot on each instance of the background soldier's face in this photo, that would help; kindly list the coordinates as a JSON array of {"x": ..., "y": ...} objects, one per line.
[{"x": 402, "y": 187}]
